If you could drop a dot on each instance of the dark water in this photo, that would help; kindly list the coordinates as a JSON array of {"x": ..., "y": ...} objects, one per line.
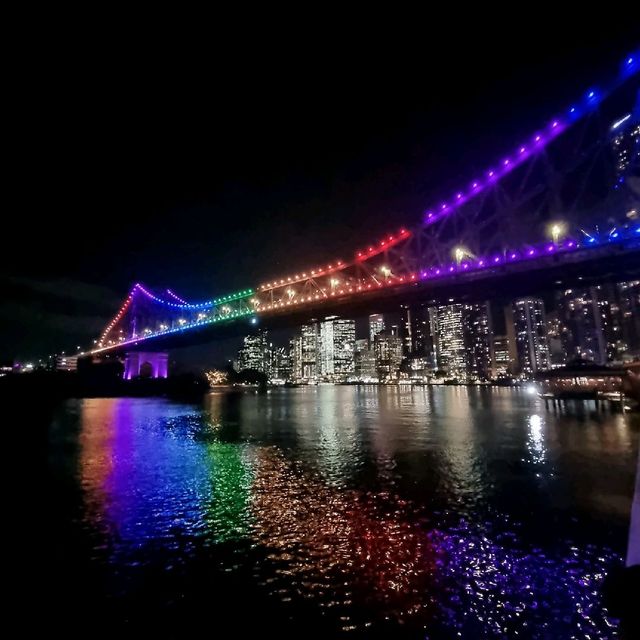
[{"x": 431, "y": 512}]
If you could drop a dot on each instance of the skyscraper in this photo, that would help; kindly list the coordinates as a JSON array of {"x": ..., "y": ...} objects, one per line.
[
  {"x": 253, "y": 354},
  {"x": 337, "y": 348},
  {"x": 530, "y": 333},
  {"x": 309, "y": 351},
  {"x": 464, "y": 341},
  {"x": 376, "y": 325},
  {"x": 450, "y": 341},
  {"x": 625, "y": 141},
  {"x": 365, "y": 360},
  {"x": 587, "y": 323},
  {"x": 388, "y": 355},
  {"x": 477, "y": 341},
  {"x": 628, "y": 303},
  {"x": 501, "y": 356},
  {"x": 417, "y": 333}
]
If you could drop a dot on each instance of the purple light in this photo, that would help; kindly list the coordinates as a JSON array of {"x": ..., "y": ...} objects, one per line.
[
  {"x": 490, "y": 174},
  {"x": 451, "y": 268},
  {"x": 550, "y": 247},
  {"x": 571, "y": 244},
  {"x": 459, "y": 196},
  {"x": 522, "y": 149},
  {"x": 514, "y": 256},
  {"x": 531, "y": 252},
  {"x": 554, "y": 124},
  {"x": 465, "y": 266},
  {"x": 481, "y": 263},
  {"x": 496, "y": 259},
  {"x": 506, "y": 162},
  {"x": 437, "y": 272},
  {"x": 443, "y": 206},
  {"x": 429, "y": 215},
  {"x": 475, "y": 185},
  {"x": 538, "y": 138}
]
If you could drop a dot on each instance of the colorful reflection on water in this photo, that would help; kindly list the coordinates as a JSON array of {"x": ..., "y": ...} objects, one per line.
[{"x": 446, "y": 512}]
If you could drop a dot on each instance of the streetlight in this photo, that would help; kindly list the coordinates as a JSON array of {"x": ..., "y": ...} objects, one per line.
[{"x": 556, "y": 231}]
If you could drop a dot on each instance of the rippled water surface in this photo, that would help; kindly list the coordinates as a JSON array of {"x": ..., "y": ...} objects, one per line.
[{"x": 440, "y": 512}]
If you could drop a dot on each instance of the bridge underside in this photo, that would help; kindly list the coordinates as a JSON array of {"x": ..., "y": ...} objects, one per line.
[{"x": 580, "y": 269}]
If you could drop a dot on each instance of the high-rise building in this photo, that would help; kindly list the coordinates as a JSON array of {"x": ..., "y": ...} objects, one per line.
[
  {"x": 376, "y": 325},
  {"x": 501, "y": 356},
  {"x": 450, "y": 341},
  {"x": 530, "y": 332},
  {"x": 557, "y": 355},
  {"x": 463, "y": 343},
  {"x": 365, "y": 360},
  {"x": 337, "y": 348},
  {"x": 282, "y": 366},
  {"x": 477, "y": 341},
  {"x": 588, "y": 327},
  {"x": 388, "y": 355},
  {"x": 625, "y": 141},
  {"x": 296, "y": 358},
  {"x": 309, "y": 350},
  {"x": 417, "y": 333},
  {"x": 254, "y": 352},
  {"x": 628, "y": 317}
]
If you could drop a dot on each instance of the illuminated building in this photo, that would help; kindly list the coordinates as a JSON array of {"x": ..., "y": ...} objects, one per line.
[
  {"x": 337, "y": 348},
  {"x": 501, "y": 356},
  {"x": 66, "y": 363},
  {"x": 625, "y": 142},
  {"x": 588, "y": 327},
  {"x": 530, "y": 332},
  {"x": 296, "y": 358},
  {"x": 628, "y": 316},
  {"x": 464, "y": 341},
  {"x": 388, "y": 355},
  {"x": 365, "y": 360},
  {"x": 254, "y": 352},
  {"x": 376, "y": 325},
  {"x": 557, "y": 355},
  {"x": 417, "y": 333},
  {"x": 310, "y": 334},
  {"x": 477, "y": 341},
  {"x": 282, "y": 364},
  {"x": 450, "y": 341}
]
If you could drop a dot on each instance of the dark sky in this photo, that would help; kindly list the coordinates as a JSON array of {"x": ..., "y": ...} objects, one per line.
[{"x": 212, "y": 162}]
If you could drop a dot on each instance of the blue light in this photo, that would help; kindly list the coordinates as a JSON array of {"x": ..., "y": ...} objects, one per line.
[
  {"x": 615, "y": 235},
  {"x": 254, "y": 320},
  {"x": 572, "y": 110},
  {"x": 630, "y": 61},
  {"x": 591, "y": 240}
]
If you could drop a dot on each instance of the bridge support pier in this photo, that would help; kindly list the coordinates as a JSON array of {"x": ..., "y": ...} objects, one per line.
[{"x": 145, "y": 364}]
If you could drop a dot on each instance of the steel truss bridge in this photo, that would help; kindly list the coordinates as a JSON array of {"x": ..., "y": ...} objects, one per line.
[{"x": 563, "y": 207}]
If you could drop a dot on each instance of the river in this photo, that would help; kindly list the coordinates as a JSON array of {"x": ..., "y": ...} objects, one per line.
[{"x": 427, "y": 512}]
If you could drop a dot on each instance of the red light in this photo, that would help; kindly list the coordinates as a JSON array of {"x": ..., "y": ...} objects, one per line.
[
  {"x": 359, "y": 254},
  {"x": 370, "y": 249}
]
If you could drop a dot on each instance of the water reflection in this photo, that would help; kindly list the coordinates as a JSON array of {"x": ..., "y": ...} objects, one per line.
[{"x": 414, "y": 507}]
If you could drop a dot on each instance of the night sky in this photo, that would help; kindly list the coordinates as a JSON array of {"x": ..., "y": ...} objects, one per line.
[{"x": 211, "y": 163}]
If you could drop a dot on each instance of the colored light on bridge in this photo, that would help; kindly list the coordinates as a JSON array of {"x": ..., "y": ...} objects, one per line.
[{"x": 538, "y": 138}]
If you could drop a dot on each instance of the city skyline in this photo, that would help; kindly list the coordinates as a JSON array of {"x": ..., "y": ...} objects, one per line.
[{"x": 458, "y": 341}]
